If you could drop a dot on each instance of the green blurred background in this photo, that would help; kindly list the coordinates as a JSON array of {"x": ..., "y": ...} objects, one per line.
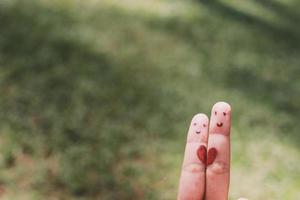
[{"x": 96, "y": 95}]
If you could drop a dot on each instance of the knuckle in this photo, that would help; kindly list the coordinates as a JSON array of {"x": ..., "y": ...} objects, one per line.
[
  {"x": 194, "y": 168},
  {"x": 219, "y": 168}
]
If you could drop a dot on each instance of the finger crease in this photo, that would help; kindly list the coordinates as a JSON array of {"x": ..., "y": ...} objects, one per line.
[
  {"x": 193, "y": 168},
  {"x": 219, "y": 168}
]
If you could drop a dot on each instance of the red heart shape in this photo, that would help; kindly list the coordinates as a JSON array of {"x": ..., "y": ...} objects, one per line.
[
  {"x": 201, "y": 153},
  {"x": 211, "y": 156}
]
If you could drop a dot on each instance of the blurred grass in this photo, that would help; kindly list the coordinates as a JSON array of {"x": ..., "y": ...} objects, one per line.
[{"x": 97, "y": 95}]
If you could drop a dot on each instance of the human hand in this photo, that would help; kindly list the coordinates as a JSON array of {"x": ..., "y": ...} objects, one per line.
[{"x": 205, "y": 173}]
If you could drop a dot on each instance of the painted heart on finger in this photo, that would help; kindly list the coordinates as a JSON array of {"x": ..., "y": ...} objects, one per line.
[
  {"x": 211, "y": 156},
  {"x": 201, "y": 153}
]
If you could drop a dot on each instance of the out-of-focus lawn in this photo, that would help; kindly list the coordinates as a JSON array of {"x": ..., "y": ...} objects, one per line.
[{"x": 96, "y": 96}]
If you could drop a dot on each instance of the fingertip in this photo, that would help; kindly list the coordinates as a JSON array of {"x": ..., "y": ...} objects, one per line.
[
  {"x": 220, "y": 119},
  {"x": 198, "y": 131},
  {"x": 223, "y": 105},
  {"x": 200, "y": 117}
]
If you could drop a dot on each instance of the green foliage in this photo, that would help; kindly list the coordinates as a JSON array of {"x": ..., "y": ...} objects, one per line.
[{"x": 75, "y": 103}]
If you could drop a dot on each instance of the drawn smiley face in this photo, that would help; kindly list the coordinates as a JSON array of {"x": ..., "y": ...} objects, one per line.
[
  {"x": 198, "y": 130},
  {"x": 198, "y": 127},
  {"x": 219, "y": 122},
  {"x": 220, "y": 118}
]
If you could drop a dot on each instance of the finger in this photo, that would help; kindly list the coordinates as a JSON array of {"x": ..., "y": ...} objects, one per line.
[
  {"x": 218, "y": 155},
  {"x": 192, "y": 180}
]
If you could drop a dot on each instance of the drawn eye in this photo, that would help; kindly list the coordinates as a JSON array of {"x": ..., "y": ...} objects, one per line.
[
  {"x": 195, "y": 124},
  {"x": 204, "y": 125},
  {"x": 224, "y": 113},
  {"x": 215, "y": 112}
]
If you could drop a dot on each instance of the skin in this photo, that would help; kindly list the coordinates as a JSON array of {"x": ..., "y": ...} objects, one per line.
[{"x": 207, "y": 177}]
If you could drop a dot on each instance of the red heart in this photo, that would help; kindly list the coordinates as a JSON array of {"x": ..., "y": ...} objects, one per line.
[
  {"x": 201, "y": 153},
  {"x": 211, "y": 156}
]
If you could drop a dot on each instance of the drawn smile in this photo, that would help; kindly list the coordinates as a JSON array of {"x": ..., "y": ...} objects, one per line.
[
  {"x": 220, "y": 124},
  {"x": 198, "y": 132}
]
